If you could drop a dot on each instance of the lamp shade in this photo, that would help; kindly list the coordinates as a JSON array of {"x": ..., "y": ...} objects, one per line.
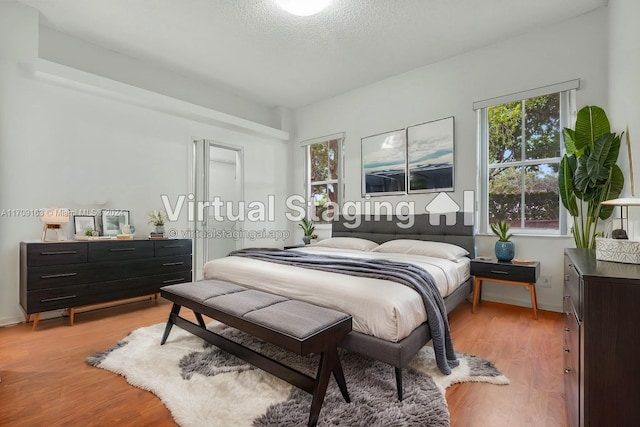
[{"x": 55, "y": 216}]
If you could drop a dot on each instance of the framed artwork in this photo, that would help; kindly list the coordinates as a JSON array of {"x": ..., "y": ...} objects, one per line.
[
  {"x": 82, "y": 223},
  {"x": 384, "y": 163},
  {"x": 430, "y": 156},
  {"x": 113, "y": 220}
]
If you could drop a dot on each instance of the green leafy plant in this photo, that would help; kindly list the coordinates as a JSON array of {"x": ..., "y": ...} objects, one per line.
[
  {"x": 307, "y": 226},
  {"x": 88, "y": 232},
  {"x": 156, "y": 218},
  {"x": 501, "y": 229},
  {"x": 588, "y": 173}
]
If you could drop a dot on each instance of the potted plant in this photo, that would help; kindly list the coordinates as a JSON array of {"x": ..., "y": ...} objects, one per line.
[
  {"x": 157, "y": 218},
  {"x": 588, "y": 173},
  {"x": 308, "y": 228},
  {"x": 504, "y": 248}
]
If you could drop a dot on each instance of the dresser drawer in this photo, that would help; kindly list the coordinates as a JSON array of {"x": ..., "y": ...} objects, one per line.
[
  {"x": 164, "y": 248},
  {"x": 55, "y": 276},
  {"x": 527, "y": 273},
  {"x": 53, "y": 299},
  {"x": 571, "y": 362},
  {"x": 117, "y": 250},
  {"x": 54, "y": 254},
  {"x": 572, "y": 285}
]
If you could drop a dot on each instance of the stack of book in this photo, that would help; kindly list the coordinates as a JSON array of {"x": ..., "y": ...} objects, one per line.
[{"x": 154, "y": 235}]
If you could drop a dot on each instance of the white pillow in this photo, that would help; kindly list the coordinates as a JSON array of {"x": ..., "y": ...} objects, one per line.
[
  {"x": 347, "y": 243},
  {"x": 422, "y": 247}
]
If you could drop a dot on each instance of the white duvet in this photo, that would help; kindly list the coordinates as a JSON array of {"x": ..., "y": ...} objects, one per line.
[{"x": 384, "y": 309}]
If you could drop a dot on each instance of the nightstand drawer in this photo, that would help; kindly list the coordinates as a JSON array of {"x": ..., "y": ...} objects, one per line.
[{"x": 492, "y": 269}]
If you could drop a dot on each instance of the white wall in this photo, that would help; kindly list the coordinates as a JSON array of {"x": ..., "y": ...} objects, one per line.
[
  {"x": 68, "y": 148},
  {"x": 624, "y": 88},
  {"x": 81, "y": 55},
  {"x": 550, "y": 55}
]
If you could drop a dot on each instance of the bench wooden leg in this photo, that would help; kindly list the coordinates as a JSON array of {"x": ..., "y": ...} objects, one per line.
[
  {"x": 200, "y": 319},
  {"x": 338, "y": 374},
  {"x": 329, "y": 363},
  {"x": 175, "y": 310},
  {"x": 320, "y": 389}
]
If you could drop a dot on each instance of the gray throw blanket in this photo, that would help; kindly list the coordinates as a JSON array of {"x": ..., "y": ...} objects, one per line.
[{"x": 407, "y": 274}]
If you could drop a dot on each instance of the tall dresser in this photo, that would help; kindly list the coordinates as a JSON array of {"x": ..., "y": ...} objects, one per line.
[
  {"x": 56, "y": 275},
  {"x": 601, "y": 341}
]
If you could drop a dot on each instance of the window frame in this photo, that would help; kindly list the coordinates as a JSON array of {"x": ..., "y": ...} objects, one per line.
[
  {"x": 567, "y": 94},
  {"x": 308, "y": 184}
]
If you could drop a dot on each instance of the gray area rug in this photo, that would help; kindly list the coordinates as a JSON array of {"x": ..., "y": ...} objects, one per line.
[{"x": 204, "y": 386}]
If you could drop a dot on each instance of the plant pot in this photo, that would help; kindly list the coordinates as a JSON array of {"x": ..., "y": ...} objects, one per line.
[
  {"x": 505, "y": 251},
  {"x": 160, "y": 229},
  {"x": 306, "y": 239}
]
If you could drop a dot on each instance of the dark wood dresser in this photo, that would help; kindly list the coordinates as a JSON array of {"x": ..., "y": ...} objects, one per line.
[
  {"x": 58, "y": 275},
  {"x": 601, "y": 341}
]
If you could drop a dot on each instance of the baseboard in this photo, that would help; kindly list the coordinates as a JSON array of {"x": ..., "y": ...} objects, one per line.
[
  {"x": 10, "y": 321},
  {"x": 14, "y": 320}
]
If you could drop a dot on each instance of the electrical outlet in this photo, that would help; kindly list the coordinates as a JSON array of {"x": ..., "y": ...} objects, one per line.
[{"x": 544, "y": 282}]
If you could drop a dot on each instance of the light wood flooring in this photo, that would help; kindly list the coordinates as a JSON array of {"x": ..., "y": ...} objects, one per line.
[{"x": 46, "y": 382}]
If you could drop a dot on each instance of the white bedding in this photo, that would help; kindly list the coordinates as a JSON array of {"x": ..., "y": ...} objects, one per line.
[{"x": 381, "y": 308}]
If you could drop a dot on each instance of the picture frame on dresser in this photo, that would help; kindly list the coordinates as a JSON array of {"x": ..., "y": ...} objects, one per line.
[
  {"x": 82, "y": 223},
  {"x": 112, "y": 221}
]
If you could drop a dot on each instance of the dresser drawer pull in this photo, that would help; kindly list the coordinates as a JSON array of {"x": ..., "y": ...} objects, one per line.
[
  {"x": 567, "y": 370},
  {"x": 122, "y": 249},
  {"x": 171, "y": 264},
  {"x": 57, "y": 298},
  {"x": 172, "y": 246},
  {"x": 566, "y": 350},
  {"x": 499, "y": 272},
  {"x": 55, "y": 276},
  {"x": 567, "y": 330},
  {"x": 58, "y": 252},
  {"x": 172, "y": 281}
]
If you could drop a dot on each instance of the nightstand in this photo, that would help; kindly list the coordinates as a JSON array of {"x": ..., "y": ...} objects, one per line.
[{"x": 508, "y": 273}]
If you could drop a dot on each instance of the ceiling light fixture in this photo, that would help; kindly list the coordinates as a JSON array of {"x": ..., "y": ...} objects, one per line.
[{"x": 303, "y": 7}]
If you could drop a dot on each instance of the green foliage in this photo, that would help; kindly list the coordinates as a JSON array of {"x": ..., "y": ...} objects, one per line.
[
  {"x": 307, "y": 226},
  {"x": 156, "y": 218},
  {"x": 542, "y": 208},
  {"x": 501, "y": 229},
  {"x": 589, "y": 174},
  {"x": 534, "y": 122}
]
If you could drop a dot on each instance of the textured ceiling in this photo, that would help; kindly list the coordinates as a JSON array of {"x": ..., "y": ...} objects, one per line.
[{"x": 273, "y": 58}]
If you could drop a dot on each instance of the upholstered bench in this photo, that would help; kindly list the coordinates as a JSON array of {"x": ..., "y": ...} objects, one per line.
[{"x": 295, "y": 326}]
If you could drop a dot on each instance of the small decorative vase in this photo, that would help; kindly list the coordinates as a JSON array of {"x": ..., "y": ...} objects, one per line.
[
  {"x": 160, "y": 229},
  {"x": 306, "y": 239},
  {"x": 505, "y": 251}
]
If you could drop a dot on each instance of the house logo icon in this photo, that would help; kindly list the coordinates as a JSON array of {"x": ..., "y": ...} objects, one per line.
[{"x": 444, "y": 205}]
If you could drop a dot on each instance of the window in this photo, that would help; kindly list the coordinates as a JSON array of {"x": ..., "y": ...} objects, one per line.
[
  {"x": 324, "y": 177},
  {"x": 521, "y": 148}
]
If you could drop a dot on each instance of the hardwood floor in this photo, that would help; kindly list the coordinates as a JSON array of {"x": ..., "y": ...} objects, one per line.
[{"x": 46, "y": 382}]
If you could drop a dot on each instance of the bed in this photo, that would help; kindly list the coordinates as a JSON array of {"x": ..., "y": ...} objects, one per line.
[{"x": 390, "y": 322}]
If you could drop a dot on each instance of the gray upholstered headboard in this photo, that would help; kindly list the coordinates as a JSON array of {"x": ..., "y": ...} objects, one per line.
[{"x": 417, "y": 227}]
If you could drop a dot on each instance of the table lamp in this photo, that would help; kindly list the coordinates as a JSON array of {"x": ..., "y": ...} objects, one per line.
[{"x": 52, "y": 229}]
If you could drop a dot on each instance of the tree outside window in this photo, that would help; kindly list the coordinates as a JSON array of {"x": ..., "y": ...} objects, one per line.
[
  {"x": 324, "y": 178},
  {"x": 524, "y": 151}
]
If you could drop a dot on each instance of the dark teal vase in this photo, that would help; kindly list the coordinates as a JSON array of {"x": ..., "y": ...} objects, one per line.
[{"x": 505, "y": 251}]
